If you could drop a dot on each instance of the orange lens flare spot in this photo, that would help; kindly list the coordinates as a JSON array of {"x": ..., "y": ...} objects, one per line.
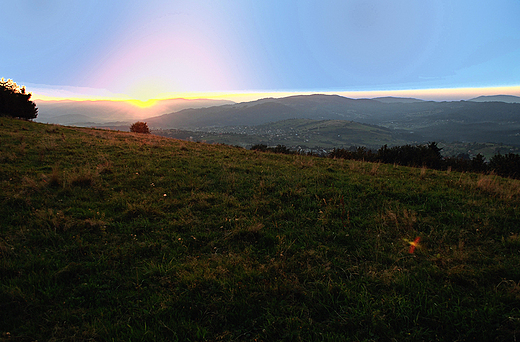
[{"x": 414, "y": 244}]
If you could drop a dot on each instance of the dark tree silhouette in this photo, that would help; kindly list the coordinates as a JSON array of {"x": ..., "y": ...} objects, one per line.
[
  {"x": 139, "y": 127},
  {"x": 15, "y": 102},
  {"x": 507, "y": 165}
]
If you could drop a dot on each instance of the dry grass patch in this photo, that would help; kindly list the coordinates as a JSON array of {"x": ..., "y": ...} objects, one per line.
[
  {"x": 303, "y": 164},
  {"x": 55, "y": 178},
  {"x": 375, "y": 168},
  {"x": 29, "y": 183},
  {"x": 504, "y": 188},
  {"x": 48, "y": 143},
  {"x": 354, "y": 166},
  {"x": 403, "y": 221},
  {"x": 423, "y": 173},
  {"x": 20, "y": 150},
  {"x": 83, "y": 177},
  {"x": 54, "y": 220},
  {"x": 510, "y": 286},
  {"x": 512, "y": 241},
  {"x": 105, "y": 166}
]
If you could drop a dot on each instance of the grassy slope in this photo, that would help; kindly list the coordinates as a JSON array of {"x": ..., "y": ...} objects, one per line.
[{"x": 109, "y": 235}]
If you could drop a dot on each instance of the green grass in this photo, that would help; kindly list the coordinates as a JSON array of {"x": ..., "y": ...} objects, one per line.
[{"x": 119, "y": 236}]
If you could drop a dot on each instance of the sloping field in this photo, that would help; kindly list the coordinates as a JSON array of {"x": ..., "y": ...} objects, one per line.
[{"x": 119, "y": 236}]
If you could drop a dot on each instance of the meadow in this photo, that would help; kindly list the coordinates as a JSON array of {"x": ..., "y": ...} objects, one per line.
[{"x": 114, "y": 236}]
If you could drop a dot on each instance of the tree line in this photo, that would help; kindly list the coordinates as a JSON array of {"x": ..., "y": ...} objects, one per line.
[
  {"x": 429, "y": 155},
  {"x": 426, "y": 155}
]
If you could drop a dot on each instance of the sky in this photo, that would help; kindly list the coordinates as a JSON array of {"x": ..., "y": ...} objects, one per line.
[{"x": 241, "y": 49}]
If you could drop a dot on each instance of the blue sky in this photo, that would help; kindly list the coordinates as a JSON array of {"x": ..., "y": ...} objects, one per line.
[{"x": 157, "y": 48}]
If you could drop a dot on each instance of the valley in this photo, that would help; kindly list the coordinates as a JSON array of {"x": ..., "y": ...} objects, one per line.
[{"x": 317, "y": 123}]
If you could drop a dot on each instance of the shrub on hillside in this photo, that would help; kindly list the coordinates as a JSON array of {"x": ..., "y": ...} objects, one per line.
[
  {"x": 411, "y": 155},
  {"x": 140, "y": 127},
  {"x": 478, "y": 163},
  {"x": 408, "y": 155},
  {"x": 278, "y": 149},
  {"x": 507, "y": 165},
  {"x": 15, "y": 102},
  {"x": 259, "y": 147},
  {"x": 354, "y": 153}
]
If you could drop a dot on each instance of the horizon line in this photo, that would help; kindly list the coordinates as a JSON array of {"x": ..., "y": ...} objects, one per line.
[{"x": 433, "y": 94}]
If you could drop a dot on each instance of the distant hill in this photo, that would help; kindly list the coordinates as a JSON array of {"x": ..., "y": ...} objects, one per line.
[
  {"x": 87, "y": 113},
  {"x": 481, "y": 120},
  {"x": 68, "y": 119},
  {"x": 318, "y": 107},
  {"x": 449, "y": 121},
  {"x": 390, "y": 99},
  {"x": 497, "y": 98},
  {"x": 228, "y": 115}
]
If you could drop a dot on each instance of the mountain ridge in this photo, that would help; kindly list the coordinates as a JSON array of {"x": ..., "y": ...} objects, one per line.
[
  {"x": 497, "y": 98},
  {"x": 448, "y": 120}
]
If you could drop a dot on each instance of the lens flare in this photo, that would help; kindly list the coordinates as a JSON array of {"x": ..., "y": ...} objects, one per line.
[{"x": 413, "y": 244}]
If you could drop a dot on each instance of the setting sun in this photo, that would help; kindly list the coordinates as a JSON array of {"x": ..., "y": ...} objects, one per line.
[{"x": 142, "y": 104}]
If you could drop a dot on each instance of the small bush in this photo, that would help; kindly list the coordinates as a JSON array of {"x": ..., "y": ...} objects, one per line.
[{"x": 140, "y": 127}]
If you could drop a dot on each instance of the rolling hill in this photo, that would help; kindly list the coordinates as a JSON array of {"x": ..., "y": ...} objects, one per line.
[
  {"x": 497, "y": 98},
  {"x": 449, "y": 121},
  {"x": 464, "y": 121},
  {"x": 118, "y": 236}
]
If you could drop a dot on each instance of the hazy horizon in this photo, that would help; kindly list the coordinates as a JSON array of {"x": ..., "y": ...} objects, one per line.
[{"x": 459, "y": 94}]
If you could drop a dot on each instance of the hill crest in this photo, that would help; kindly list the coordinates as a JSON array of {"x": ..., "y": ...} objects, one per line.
[{"x": 497, "y": 98}]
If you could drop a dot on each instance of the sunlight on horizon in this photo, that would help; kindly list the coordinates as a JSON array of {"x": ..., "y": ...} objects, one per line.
[
  {"x": 438, "y": 94},
  {"x": 141, "y": 103}
]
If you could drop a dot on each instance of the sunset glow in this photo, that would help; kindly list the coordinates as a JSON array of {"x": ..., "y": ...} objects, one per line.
[
  {"x": 142, "y": 104},
  {"x": 243, "y": 51},
  {"x": 449, "y": 94}
]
